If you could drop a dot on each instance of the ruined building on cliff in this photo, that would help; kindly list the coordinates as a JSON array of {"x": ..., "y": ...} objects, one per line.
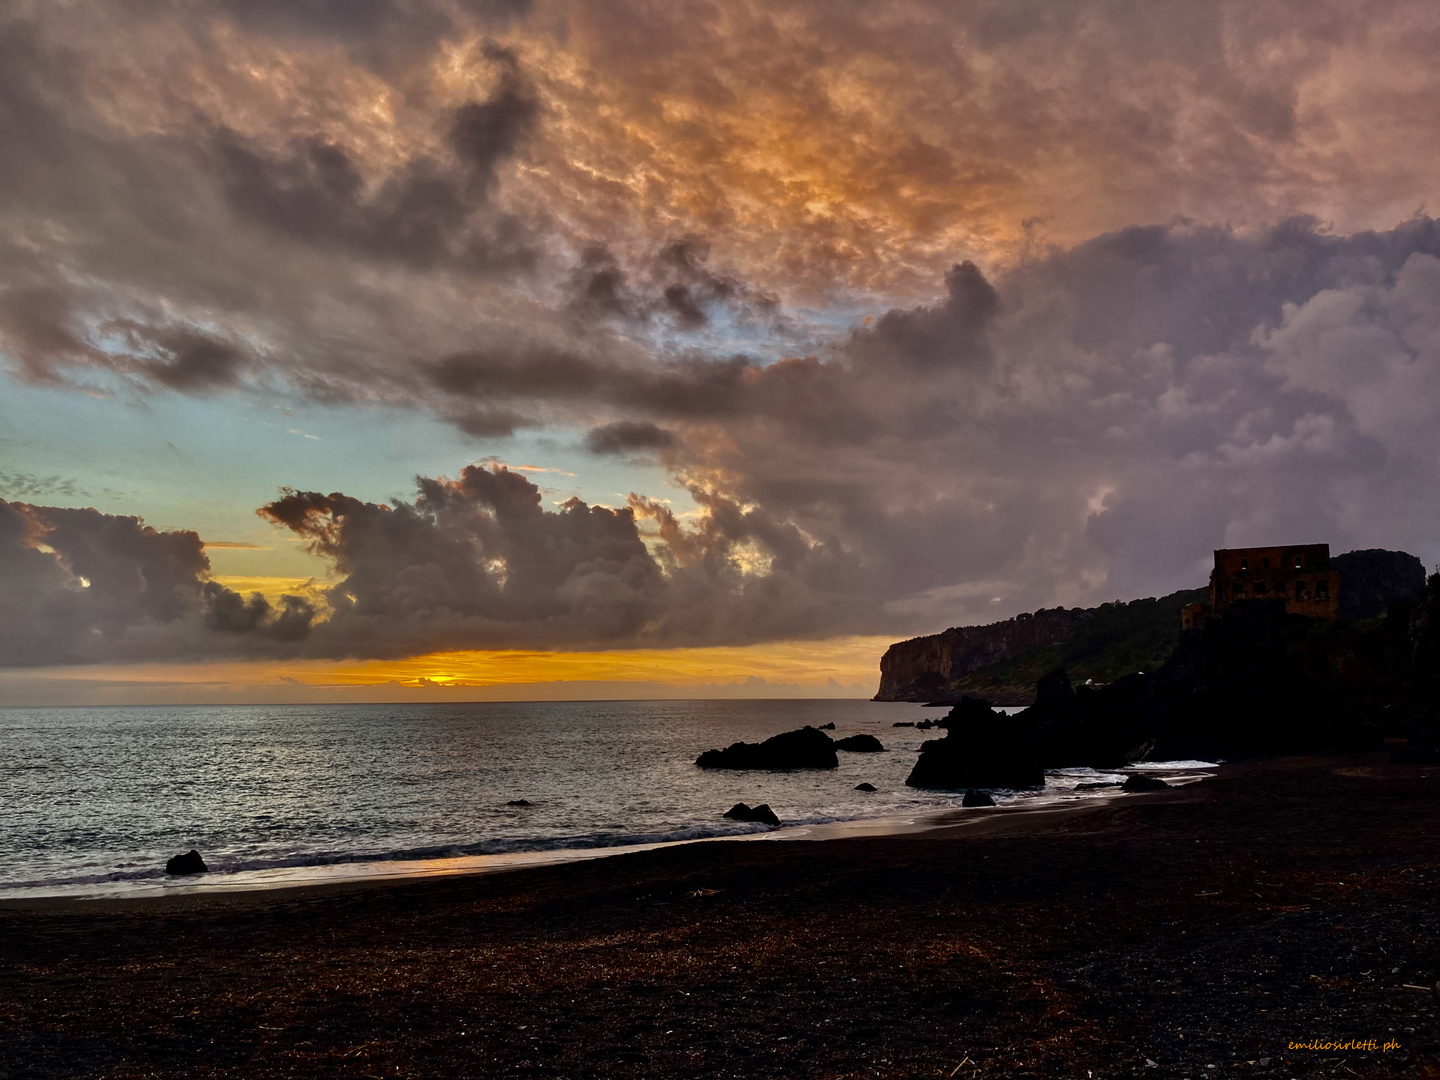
[{"x": 1302, "y": 576}]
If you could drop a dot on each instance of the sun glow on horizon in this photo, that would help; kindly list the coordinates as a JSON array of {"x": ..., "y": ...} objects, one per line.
[{"x": 841, "y": 667}]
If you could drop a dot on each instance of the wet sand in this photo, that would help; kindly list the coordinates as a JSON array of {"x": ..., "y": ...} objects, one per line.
[{"x": 1210, "y": 925}]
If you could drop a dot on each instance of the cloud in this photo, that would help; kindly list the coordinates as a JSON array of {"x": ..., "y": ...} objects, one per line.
[
  {"x": 661, "y": 231},
  {"x": 328, "y": 200},
  {"x": 29, "y": 486},
  {"x": 677, "y": 288},
  {"x": 427, "y": 213},
  {"x": 80, "y": 586},
  {"x": 475, "y": 562},
  {"x": 1086, "y": 426},
  {"x": 358, "y": 20},
  {"x": 625, "y": 436}
]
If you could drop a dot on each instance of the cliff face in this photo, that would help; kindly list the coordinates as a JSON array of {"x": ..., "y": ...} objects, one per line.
[
  {"x": 1373, "y": 581},
  {"x": 924, "y": 667},
  {"x": 1003, "y": 661}
]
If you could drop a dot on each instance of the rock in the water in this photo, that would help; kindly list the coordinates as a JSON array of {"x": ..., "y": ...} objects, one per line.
[
  {"x": 827, "y": 727},
  {"x": 761, "y": 813},
  {"x": 864, "y": 787},
  {"x": 860, "y": 744},
  {"x": 807, "y": 748},
  {"x": 1144, "y": 783},
  {"x": 519, "y": 802},
  {"x": 189, "y": 863},
  {"x": 905, "y": 723},
  {"x": 1097, "y": 785},
  {"x": 976, "y": 797},
  {"x": 983, "y": 749}
]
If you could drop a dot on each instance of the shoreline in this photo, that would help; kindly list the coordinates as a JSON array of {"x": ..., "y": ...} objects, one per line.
[
  {"x": 1207, "y": 929},
  {"x": 364, "y": 873}
]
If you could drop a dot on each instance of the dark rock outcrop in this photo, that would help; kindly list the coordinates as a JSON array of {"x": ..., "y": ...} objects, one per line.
[
  {"x": 981, "y": 749},
  {"x": 976, "y": 797},
  {"x": 1253, "y": 681},
  {"x": 1097, "y": 785},
  {"x": 827, "y": 727},
  {"x": 761, "y": 813},
  {"x": 806, "y": 748},
  {"x": 905, "y": 723},
  {"x": 519, "y": 802},
  {"x": 1076, "y": 726},
  {"x": 864, "y": 787},
  {"x": 860, "y": 744},
  {"x": 1144, "y": 783},
  {"x": 189, "y": 863},
  {"x": 1256, "y": 681},
  {"x": 1424, "y": 641},
  {"x": 1373, "y": 581}
]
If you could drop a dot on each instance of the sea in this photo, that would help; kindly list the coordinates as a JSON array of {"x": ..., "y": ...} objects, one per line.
[{"x": 96, "y": 799}]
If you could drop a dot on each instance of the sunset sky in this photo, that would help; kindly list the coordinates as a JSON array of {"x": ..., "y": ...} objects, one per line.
[{"x": 466, "y": 349}]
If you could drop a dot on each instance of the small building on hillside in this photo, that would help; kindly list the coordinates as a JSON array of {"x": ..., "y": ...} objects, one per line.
[{"x": 1301, "y": 576}]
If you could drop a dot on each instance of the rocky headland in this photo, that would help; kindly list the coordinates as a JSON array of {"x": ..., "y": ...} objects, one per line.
[
  {"x": 1256, "y": 681},
  {"x": 1002, "y": 661}
]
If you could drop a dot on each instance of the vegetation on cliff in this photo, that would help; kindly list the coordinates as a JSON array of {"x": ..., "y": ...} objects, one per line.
[
  {"x": 1099, "y": 644},
  {"x": 1116, "y": 640},
  {"x": 1255, "y": 681}
]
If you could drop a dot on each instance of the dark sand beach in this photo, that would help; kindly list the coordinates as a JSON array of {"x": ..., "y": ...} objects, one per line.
[{"x": 1203, "y": 930}]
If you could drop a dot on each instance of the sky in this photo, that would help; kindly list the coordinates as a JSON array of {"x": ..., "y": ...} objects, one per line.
[{"x": 453, "y": 349}]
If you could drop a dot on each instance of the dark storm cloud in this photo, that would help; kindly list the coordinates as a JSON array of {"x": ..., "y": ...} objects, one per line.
[
  {"x": 80, "y": 586},
  {"x": 484, "y": 134},
  {"x": 625, "y": 436},
  {"x": 132, "y": 251},
  {"x": 185, "y": 359},
  {"x": 581, "y": 380},
  {"x": 229, "y": 612},
  {"x": 478, "y": 562},
  {"x": 431, "y": 212},
  {"x": 1096, "y": 422},
  {"x": 950, "y": 334},
  {"x": 678, "y": 288},
  {"x": 1087, "y": 426},
  {"x": 475, "y": 562},
  {"x": 377, "y": 203},
  {"x": 599, "y": 288}
]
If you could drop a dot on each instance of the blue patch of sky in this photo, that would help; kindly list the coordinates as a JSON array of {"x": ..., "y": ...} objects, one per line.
[
  {"x": 207, "y": 463},
  {"x": 794, "y": 332}
]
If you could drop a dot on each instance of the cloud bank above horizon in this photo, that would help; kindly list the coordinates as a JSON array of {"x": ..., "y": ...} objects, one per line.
[{"x": 928, "y": 314}]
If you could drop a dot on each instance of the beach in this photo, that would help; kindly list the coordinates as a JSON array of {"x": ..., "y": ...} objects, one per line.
[{"x": 1193, "y": 932}]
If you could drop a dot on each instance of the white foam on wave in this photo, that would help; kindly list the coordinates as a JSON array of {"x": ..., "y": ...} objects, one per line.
[{"x": 1172, "y": 766}]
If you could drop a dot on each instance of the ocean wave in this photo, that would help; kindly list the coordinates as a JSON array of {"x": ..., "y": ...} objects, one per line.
[{"x": 220, "y": 864}]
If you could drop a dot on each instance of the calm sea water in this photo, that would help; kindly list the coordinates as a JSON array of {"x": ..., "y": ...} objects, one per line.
[{"x": 106, "y": 795}]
